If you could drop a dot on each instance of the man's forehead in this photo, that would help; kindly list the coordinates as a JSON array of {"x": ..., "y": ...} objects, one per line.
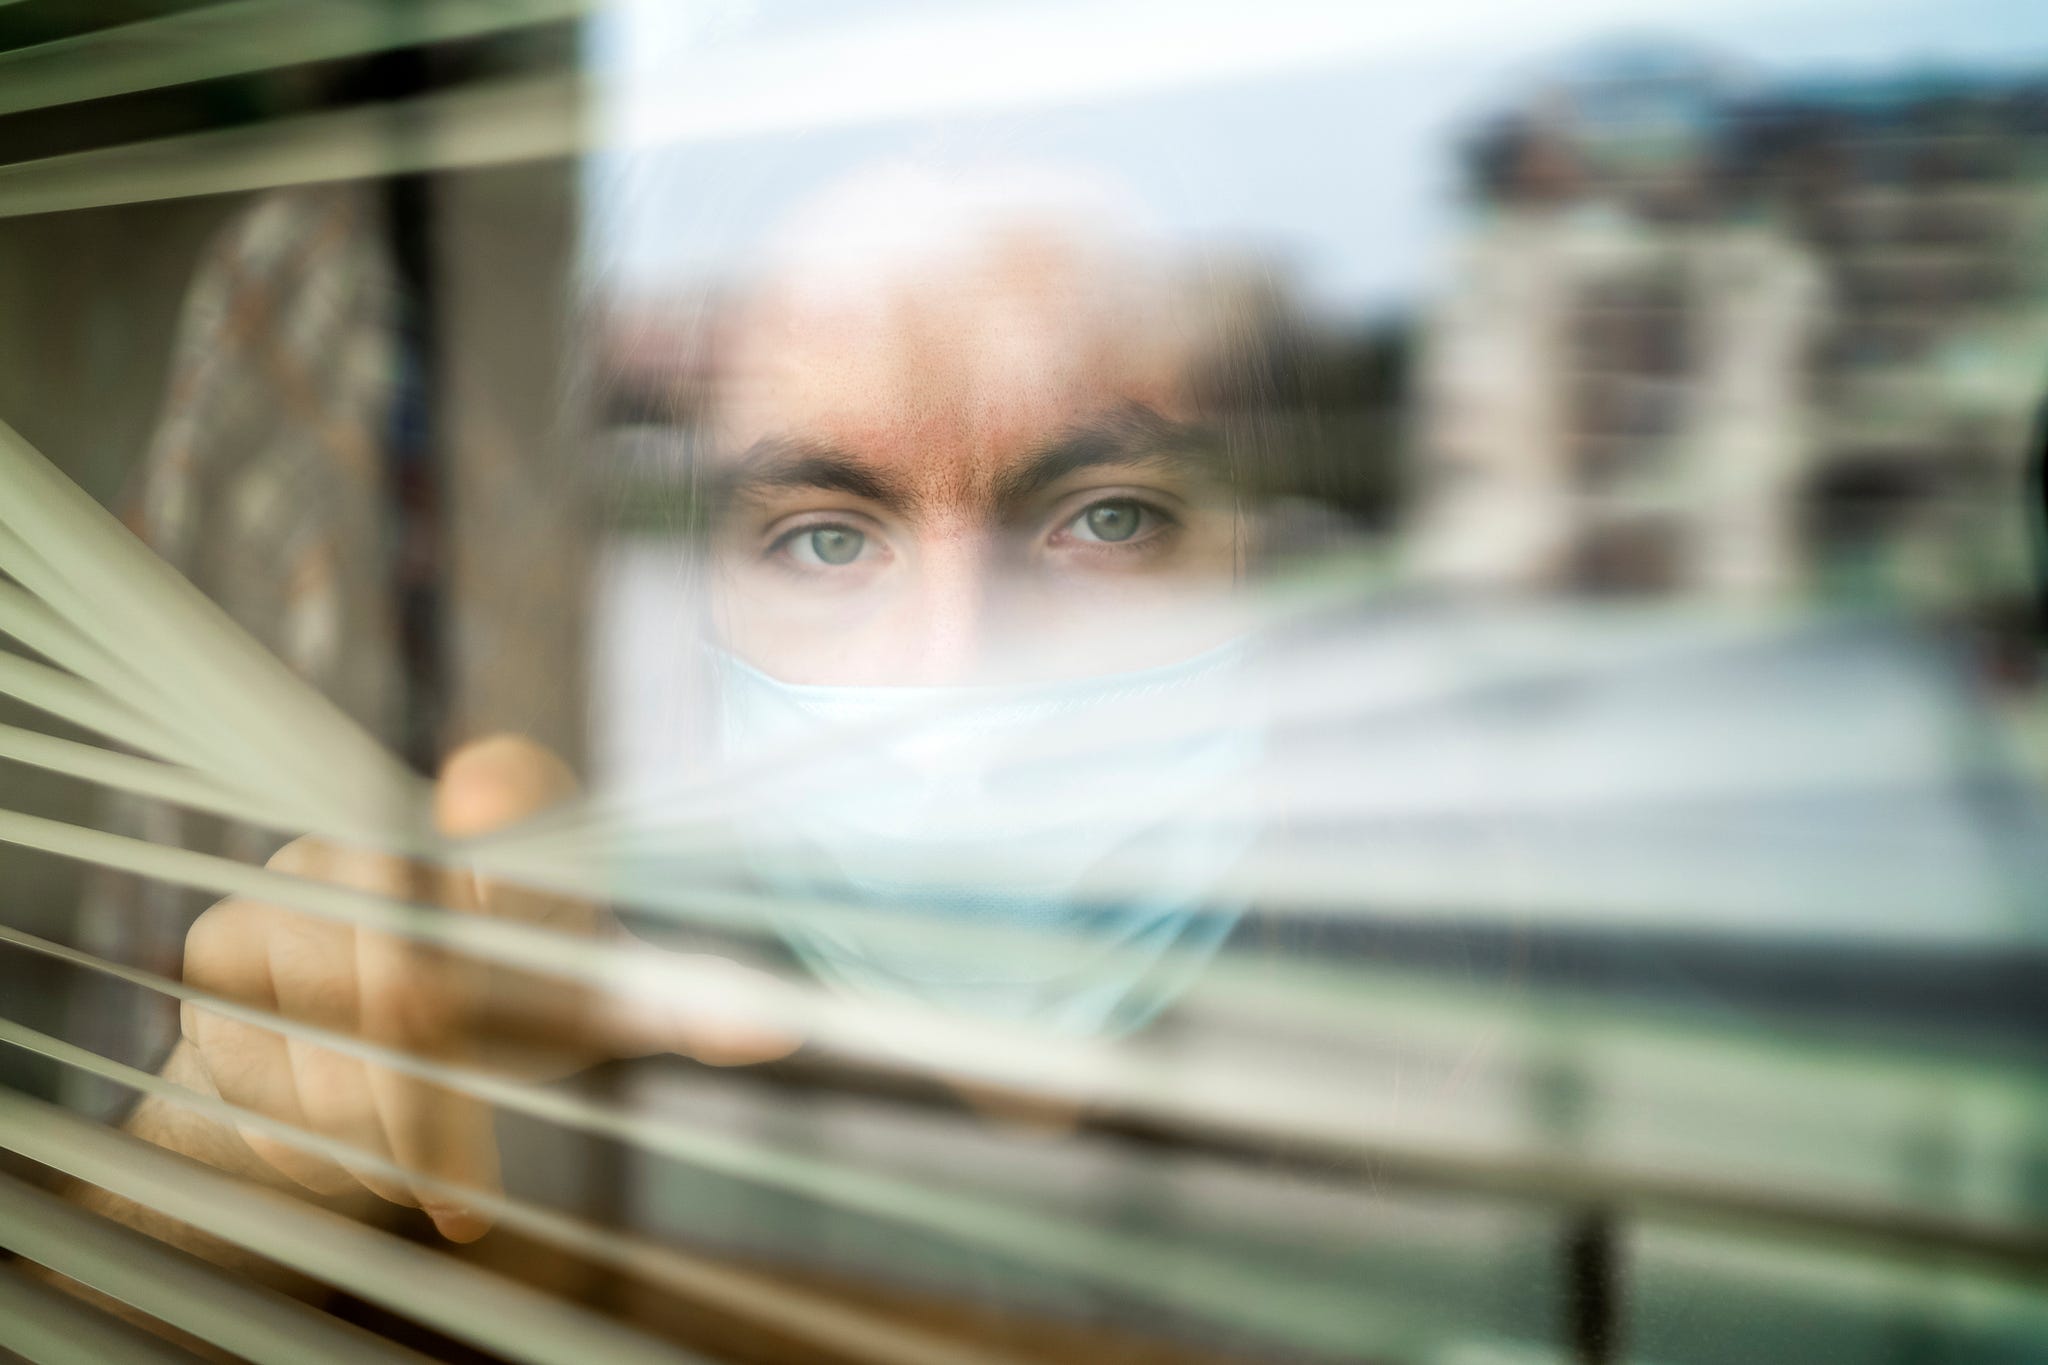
[{"x": 946, "y": 377}]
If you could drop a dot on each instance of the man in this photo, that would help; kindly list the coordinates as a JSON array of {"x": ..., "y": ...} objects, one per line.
[{"x": 960, "y": 446}]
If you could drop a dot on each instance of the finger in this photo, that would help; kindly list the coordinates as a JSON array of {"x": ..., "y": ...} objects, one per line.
[
  {"x": 313, "y": 976},
  {"x": 426, "y": 1005},
  {"x": 248, "y": 1066},
  {"x": 250, "y": 1069},
  {"x": 541, "y": 1025},
  {"x": 421, "y": 1001},
  {"x": 446, "y": 1137},
  {"x": 729, "y": 1016},
  {"x": 425, "y": 1001},
  {"x": 500, "y": 781},
  {"x": 490, "y": 783},
  {"x": 496, "y": 782},
  {"x": 334, "y": 1089}
]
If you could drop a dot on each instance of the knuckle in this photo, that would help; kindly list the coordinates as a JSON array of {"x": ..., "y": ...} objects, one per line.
[
  {"x": 194, "y": 1024},
  {"x": 214, "y": 938},
  {"x": 301, "y": 857},
  {"x": 410, "y": 1006}
]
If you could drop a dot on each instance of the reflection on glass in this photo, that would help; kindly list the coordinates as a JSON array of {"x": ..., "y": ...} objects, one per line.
[{"x": 1055, "y": 684}]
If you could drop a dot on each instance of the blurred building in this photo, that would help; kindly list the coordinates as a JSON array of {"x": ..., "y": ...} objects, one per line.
[{"x": 1739, "y": 341}]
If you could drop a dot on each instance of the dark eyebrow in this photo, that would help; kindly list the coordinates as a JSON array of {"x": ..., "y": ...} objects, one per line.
[
  {"x": 780, "y": 463},
  {"x": 1134, "y": 435}
]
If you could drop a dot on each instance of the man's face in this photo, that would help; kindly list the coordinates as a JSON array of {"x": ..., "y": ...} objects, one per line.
[{"x": 973, "y": 468}]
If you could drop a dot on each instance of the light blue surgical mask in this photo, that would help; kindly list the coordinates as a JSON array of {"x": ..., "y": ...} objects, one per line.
[{"x": 1084, "y": 823}]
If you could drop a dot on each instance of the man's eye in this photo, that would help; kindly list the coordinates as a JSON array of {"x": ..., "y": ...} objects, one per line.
[
  {"x": 825, "y": 547},
  {"x": 1112, "y": 521}
]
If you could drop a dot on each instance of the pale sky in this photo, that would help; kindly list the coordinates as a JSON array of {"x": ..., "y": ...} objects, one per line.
[{"x": 1315, "y": 133}]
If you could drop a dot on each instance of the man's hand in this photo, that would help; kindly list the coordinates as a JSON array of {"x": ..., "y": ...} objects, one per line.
[{"x": 414, "y": 998}]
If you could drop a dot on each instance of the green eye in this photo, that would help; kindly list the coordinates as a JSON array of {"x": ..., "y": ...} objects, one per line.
[
  {"x": 837, "y": 544},
  {"x": 1113, "y": 521}
]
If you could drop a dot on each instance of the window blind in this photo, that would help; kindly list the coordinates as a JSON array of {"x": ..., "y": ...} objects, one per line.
[
  {"x": 50, "y": 1327},
  {"x": 172, "y": 1287},
  {"x": 1273, "y": 1109}
]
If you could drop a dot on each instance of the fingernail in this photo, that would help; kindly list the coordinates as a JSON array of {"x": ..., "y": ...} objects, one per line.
[{"x": 458, "y": 1224}]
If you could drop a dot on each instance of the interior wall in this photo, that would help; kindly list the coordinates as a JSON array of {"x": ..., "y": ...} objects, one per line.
[{"x": 88, "y": 306}]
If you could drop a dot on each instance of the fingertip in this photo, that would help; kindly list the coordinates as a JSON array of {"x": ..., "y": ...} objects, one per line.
[
  {"x": 496, "y": 781},
  {"x": 638, "y": 1027},
  {"x": 742, "y": 1047},
  {"x": 458, "y": 1224}
]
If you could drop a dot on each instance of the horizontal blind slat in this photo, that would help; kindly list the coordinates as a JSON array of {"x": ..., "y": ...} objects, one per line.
[
  {"x": 138, "y": 776},
  {"x": 57, "y": 621},
  {"x": 458, "y": 1299},
  {"x": 244, "y": 37},
  {"x": 1265, "y": 1104},
  {"x": 47, "y": 1326},
  {"x": 1223, "y": 1288},
  {"x": 71, "y": 699},
  {"x": 205, "y": 1300},
  {"x": 523, "y": 119},
  {"x": 843, "y": 1331},
  {"x": 141, "y": 610}
]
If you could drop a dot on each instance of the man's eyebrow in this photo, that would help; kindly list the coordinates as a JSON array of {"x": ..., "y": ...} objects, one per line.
[
  {"x": 779, "y": 463},
  {"x": 1134, "y": 435}
]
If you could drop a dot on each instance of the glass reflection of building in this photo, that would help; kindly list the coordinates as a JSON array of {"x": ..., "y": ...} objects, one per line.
[{"x": 1741, "y": 340}]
